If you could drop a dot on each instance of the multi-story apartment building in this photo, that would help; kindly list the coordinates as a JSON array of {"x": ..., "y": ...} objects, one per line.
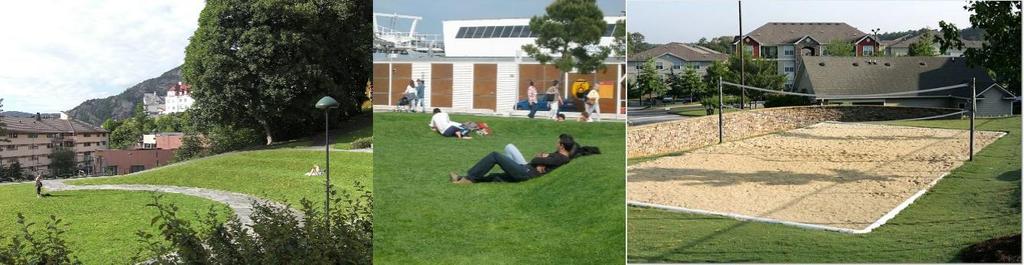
[
  {"x": 675, "y": 58},
  {"x": 786, "y": 42},
  {"x": 901, "y": 46},
  {"x": 178, "y": 99},
  {"x": 31, "y": 140}
]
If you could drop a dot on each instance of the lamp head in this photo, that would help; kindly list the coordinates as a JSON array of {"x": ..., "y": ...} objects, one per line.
[{"x": 327, "y": 102}]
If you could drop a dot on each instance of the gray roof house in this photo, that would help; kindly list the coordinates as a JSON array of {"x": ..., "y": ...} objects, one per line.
[
  {"x": 674, "y": 58},
  {"x": 837, "y": 80},
  {"x": 901, "y": 46}
]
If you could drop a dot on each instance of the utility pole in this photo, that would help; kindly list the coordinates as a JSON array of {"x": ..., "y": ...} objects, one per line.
[
  {"x": 974, "y": 107},
  {"x": 721, "y": 137},
  {"x": 743, "y": 55}
]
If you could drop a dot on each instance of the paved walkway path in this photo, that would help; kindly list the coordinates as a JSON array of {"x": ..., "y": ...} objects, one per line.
[{"x": 240, "y": 203}]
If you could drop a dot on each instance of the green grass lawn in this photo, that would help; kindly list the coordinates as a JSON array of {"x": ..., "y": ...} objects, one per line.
[
  {"x": 344, "y": 140},
  {"x": 272, "y": 174},
  {"x": 978, "y": 201},
  {"x": 103, "y": 223},
  {"x": 572, "y": 215}
]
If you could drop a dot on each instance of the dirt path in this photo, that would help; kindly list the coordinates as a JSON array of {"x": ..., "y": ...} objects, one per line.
[
  {"x": 240, "y": 203},
  {"x": 830, "y": 174}
]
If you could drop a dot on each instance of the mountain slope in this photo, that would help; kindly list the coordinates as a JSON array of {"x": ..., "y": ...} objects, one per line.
[{"x": 95, "y": 111}]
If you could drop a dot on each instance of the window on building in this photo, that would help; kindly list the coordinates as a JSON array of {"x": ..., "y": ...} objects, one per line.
[
  {"x": 88, "y": 135},
  {"x": 869, "y": 50},
  {"x": 789, "y": 69},
  {"x": 34, "y": 158},
  {"x": 12, "y": 147},
  {"x": 49, "y": 146},
  {"x": 33, "y": 135},
  {"x": 33, "y": 147},
  {"x": 461, "y": 33},
  {"x": 87, "y": 144},
  {"x": 694, "y": 66},
  {"x": 787, "y": 50},
  {"x": 137, "y": 168},
  {"x": 769, "y": 52},
  {"x": 677, "y": 66},
  {"x": 110, "y": 170},
  {"x": 659, "y": 66},
  {"x": 12, "y": 135},
  {"x": 103, "y": 143}
]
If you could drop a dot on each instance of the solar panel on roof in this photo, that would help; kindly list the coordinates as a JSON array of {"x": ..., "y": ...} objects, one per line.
[{"x": 461, "y": 34}]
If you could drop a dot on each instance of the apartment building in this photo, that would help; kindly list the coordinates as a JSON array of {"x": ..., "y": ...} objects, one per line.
[
  {"x": 786, "y": 42},
  {"x": 178, "y": 99},
  {"x": 675, "y": 58},
  {"x": 29, "y": 141},
  {"x": 901, "y": 46}
]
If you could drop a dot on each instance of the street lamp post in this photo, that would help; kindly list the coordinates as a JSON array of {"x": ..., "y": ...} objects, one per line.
[{"x": 327, "y": 103}]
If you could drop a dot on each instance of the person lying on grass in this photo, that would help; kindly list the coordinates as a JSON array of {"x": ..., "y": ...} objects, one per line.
[
  {"x": 517, "y": 168},
  {"x": 446, "y": 127}
]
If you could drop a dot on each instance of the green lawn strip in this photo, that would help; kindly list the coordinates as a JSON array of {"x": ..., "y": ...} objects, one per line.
[
  {"x": 572, "y": 215},
  {"x": 978, "y": 201},
  {"x": 102, "y": 223},
  {"x": 344, "y": 141},
  {"x": 273, "y": 174},
  {"x": 696, "y": 111}
]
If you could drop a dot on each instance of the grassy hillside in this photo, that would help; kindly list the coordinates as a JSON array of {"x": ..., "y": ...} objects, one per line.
[
  {"x": 572, "y": 215},
  {"x": 103, "y": 223},
  {"x": 978, "y": 201}
]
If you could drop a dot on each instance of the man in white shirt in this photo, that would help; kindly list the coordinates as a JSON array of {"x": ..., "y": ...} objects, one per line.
[{"x": 445, "y": 126}]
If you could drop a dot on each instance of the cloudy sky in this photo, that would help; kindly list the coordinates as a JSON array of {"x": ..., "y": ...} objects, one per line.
[
  {"x": 56, "y": 54},
  {"x": 663, "y": 21}
]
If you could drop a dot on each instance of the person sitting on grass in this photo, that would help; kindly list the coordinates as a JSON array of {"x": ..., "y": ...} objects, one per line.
[
  {"x": 517, "y": 168},
  {"x": 584, "y": 117},
  {"x": 446, "y": 127},
  {"x": 560, "y": 117},
  {"x": 315, "y": 171}
]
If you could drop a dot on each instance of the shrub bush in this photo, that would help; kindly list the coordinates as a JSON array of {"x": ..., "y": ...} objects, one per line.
[
  {"x": 365, "y": 142},
  {"x": 277, "y": 235},
  {"x": 37, "y": 247}
]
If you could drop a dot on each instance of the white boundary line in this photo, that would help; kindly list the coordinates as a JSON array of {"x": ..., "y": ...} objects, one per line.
[{"x": 881, "y": 220}]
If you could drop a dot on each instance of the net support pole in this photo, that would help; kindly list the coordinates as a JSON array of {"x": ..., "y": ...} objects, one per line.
[
  {"x": 974, "y": 107},
  {"x": 721, "y": 137}
]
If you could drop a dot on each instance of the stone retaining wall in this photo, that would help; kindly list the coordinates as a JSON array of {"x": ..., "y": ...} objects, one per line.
[{"x": 692, "y": 133}]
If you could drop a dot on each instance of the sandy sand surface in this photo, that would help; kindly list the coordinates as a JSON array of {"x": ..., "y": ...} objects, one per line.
[{"x": 836, "y": 174}]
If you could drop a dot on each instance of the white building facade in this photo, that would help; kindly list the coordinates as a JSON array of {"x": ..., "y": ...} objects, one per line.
[{"x": 178, "y": 99}]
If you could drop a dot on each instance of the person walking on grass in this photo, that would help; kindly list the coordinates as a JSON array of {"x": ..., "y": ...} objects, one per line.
[
  {"x": 39, "y": 185},
  {"x": 420, "y": 87},
  {"x": 517, "y": 168},
  {"x": 593, "y": 106},
  {"x": 531, "y": 97},
  {"x": 556, "y": 102}
]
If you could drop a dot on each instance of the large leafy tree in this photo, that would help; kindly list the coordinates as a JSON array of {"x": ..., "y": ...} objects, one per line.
[
  {"x": 264, "y": 64},
  {"x": 636, "y": 43},
  {"x": 839, "y": 48},
  {"x": 568, "y": 35},
  {"x": 649, "y": 81},
  {"x": 62, "y": 161},
  {"x": 923, "y": 46},
  {"x": 619, "y": 46},
  {"x": 1000, "y": 53},
  {"x": 690, "y": 84}
]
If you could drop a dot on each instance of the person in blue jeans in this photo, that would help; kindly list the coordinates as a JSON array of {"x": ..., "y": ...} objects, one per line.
[{"x": 515, "y": 166}]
